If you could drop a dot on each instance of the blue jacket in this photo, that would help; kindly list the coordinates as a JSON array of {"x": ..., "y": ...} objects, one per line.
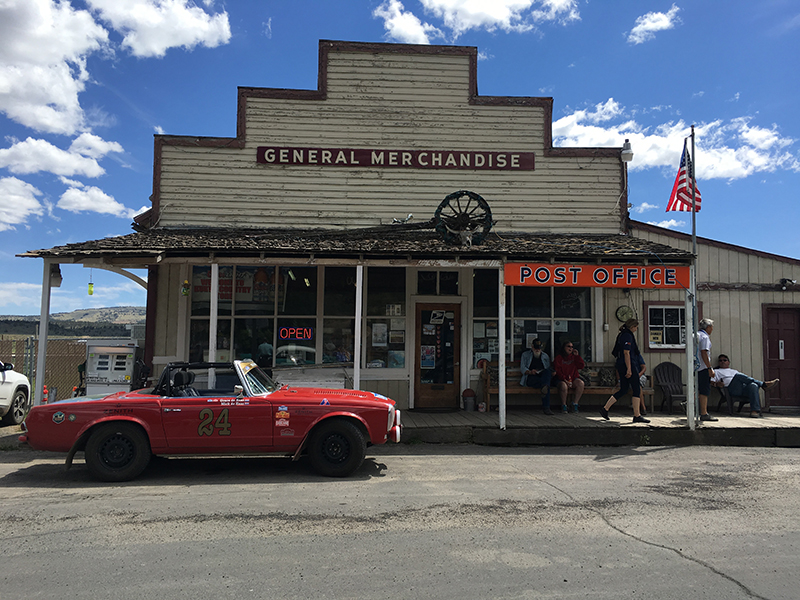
[{"x": 527, "y": 359}]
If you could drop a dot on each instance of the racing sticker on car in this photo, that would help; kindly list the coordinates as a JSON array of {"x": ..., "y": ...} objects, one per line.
[
  {"x": 282, "y": 423},
  {"x": 208, "y": 423},
  {"x": 325, "y": 402},
  {"x": 58, "y": 418},
  {"x": 282, "y": 414},
  {"x": 287, "y": 432}
]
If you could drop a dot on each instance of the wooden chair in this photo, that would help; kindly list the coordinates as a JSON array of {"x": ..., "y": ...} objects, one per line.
[{"x": 669, "y": 379}]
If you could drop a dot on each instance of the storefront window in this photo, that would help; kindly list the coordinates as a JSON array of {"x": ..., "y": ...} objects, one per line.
[
  {"x": 201, "y": 290},
  {"x": 340, "y": 291},
  {"x": 531, "y": 302},
  {"x": 253, "y": 339},
  {"x": 572, "y": 303},
  {"x": 426, "y": 283},
  {"x": 385, "y": 347},
  {"x": 484, "y": 293},
  {"x": 386, "y": 291},
  {"x": 338, "y": 340},
  {"x": 198, "y": 340},
  {"x": 261, "y": 284},
  {"x": 296, "y": 342},
  {"x": 300, "y": 295}
]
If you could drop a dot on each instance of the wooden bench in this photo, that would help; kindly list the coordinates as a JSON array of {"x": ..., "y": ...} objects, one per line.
[{"x": 513, "y": 375}]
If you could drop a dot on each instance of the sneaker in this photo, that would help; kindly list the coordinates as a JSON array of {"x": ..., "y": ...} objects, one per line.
[
  {"x": 755, "y": 414},
  {"x": 640, "y": 419},
  {"x": 575, "y": 408},
  {"x": 604, "y": 413},
  {"x": 770, "y": 384},
  {"x": 547, "y": 411},
  {"x": 564, "y": 409},
  {"x": 708, "y": 417}
]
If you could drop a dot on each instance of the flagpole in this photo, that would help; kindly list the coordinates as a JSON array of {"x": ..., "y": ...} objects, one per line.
[{"x": 692, "y": 416}]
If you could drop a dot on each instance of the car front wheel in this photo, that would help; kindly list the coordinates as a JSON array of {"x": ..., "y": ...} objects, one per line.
[
  {"x": 117, "y": 452},
  {"x": 17, "y": 410},
  {"x": 337, "y": 448}
]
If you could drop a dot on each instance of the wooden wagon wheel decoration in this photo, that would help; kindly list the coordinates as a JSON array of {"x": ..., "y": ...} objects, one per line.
[{"x": 463, "y": 218}]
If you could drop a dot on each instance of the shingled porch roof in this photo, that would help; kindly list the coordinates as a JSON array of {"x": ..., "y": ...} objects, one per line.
[{"x": 417, "y": 241}]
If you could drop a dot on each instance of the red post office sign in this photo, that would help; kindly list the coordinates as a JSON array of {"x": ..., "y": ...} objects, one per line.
[{"x": 619, "y": 276}]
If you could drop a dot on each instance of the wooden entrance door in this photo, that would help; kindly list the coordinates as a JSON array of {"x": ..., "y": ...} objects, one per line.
[
  {"x": 783, "y": 355},
  {"x": 437, "y": 370}
]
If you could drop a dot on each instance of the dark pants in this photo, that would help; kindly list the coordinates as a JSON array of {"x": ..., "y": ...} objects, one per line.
[
  {"x": 542, "y": 380},
  {"x": 742, "y": 385},
  {"x": 631, "y": 382}
]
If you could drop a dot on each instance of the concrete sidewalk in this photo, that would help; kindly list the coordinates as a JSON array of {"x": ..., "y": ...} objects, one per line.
[{"x": 588, "y": 428}]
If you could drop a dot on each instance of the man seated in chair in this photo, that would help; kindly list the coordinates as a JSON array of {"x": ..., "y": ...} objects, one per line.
[{"x": 739, "y": 384}]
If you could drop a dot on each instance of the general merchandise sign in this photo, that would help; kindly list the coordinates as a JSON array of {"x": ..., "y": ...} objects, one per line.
[
  {"x": 616, "y": 276},
  {"x": 400, "y": 159}
]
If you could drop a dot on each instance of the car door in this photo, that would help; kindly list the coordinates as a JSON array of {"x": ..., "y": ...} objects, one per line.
[{"x": 217, "y": 421}]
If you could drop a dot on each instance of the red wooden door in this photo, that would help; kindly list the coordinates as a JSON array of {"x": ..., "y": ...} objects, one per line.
[{"x": 783, "y": 355}]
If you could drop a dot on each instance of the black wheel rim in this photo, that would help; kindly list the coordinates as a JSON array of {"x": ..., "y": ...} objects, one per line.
[
  {"x": 117, "y": 451},
  {"x": 335, "y": 448},
  {"x": 18, "y": 408}
]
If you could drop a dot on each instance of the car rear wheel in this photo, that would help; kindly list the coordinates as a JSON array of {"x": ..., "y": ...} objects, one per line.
[
  {"x": 18, "y": 409},
  {"x": 337, "y": 448},
  {"x": 117, "y": 452}
]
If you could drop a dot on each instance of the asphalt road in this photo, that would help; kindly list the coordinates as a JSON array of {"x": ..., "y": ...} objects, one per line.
[{"x": 418, "y": 521}]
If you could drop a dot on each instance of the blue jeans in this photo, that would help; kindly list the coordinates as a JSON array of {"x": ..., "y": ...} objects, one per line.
[
  {"x": 742, "y": 385},
  {"x": 540, "y": 381}
]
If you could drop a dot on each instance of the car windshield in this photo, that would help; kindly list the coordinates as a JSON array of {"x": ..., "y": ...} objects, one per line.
[{"x": 258, "y": 381}]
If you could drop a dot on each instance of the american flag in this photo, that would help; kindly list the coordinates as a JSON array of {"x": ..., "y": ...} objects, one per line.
[{"x": 681, "y": 197}]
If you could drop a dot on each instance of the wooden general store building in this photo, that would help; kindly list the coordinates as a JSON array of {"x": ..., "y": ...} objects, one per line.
[{"x": 368, "y": 227}]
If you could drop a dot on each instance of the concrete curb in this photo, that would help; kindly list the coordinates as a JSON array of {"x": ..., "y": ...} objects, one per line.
[{"x": 612, "y": 436}]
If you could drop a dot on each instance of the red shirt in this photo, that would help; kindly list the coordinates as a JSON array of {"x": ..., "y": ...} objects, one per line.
[{"x": 567, "y": 368}]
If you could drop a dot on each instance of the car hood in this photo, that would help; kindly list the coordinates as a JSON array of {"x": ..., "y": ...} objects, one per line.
[{"x": 289, "y": 394}]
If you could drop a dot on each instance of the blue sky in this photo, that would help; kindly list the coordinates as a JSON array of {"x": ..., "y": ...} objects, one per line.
[{"x": 85, "y": 85}]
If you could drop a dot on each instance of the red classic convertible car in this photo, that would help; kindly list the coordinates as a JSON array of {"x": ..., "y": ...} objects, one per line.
[{"x": 214, "y": 408}]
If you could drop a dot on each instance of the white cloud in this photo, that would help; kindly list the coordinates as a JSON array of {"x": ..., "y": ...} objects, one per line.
[
  {"x": 43, "y": 62},
  {"x": 46, "y": 43},
  {"x": 17, "y": 297},
  {"x": 33, "y": 156},
  {"x": 460, "y": 16},
  {"x": 19, "y": 202},
  {"x": 644, "y": 207},
  {"x": 151, "y": 27},
  {"x": 646, "y": 26},
  {"x": 669, "y": 224},
  {"x": 725, "y": 150},
  {"x": 82, "y": 198},
  {"x": 403, "y": 26}
]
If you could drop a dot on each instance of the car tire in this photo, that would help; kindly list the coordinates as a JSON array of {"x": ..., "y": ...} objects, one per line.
[
  {"x": 117, "y": 452},
  {"x": 18, "y": 409},
  {"x": 337, "y": 448}
]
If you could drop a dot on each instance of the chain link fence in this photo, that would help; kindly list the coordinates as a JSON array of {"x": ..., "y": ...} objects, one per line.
[{"x": 64, "y": 356}]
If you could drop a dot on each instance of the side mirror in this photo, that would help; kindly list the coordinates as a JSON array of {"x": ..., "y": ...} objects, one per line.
[
  {"x": 238, "y": 390},
  {"x": 8, "y": 367}
]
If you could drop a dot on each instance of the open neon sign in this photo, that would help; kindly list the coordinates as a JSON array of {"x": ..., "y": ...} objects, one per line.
[{"x": 296, "y": 333}]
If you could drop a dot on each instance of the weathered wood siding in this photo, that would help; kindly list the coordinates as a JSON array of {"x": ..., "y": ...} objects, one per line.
[
  {"x": 391, "y": 101},
  {"x": 735, "y": 307}
]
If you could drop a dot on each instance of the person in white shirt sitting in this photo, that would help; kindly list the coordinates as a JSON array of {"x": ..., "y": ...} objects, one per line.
[{"x": 739, "y": 384}]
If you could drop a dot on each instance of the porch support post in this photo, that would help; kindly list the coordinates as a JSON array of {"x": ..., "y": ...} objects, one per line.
[
  {"x": 501, "y": 334},
  {"x": 212, "y": 324},
  {"x": 359, "y": 318},
  {"x": 691, "y": 379},
  {"x": 44, "y": 325}
]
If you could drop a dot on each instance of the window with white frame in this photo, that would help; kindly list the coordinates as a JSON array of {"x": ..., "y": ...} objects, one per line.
[{"x": 666, "y": 326}]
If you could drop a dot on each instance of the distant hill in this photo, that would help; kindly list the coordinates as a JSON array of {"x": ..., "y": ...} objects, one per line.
[
  {"x": 88, "y": 322},
  {"x": 116, "y": 314}
]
